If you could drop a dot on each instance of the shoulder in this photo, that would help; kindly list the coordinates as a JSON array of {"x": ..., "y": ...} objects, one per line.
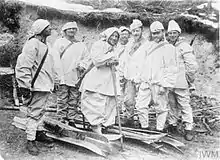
[
  {"x": 169, "y": 48},
  {"x": 168, "y": 45},
  {"x": 184, "y": 46},
  {"x": 33, "y": 43},
  {"x": 99, "y": 43},
  {"x": 81, "y": 44},
  {"x": 60, "y": 40}
]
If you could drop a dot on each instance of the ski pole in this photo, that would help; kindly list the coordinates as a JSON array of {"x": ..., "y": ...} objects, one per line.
[{"x": 117, "y": 106}]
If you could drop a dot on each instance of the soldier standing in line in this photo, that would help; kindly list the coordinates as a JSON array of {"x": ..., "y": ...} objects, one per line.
[
  {"x": 157, "y": 76},
  {"x": 187, "y": 67},
  {"x": 36, "y": 82},
  {"x": 73, "y": 56}
]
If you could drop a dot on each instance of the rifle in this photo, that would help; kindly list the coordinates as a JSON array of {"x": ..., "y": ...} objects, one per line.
[
  {"x": 191, "y": 86},
  {"x": 192, "y": 41}
]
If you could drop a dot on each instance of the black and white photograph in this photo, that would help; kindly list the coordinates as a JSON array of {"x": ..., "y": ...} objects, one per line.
[{"x": 109, "y": 80}]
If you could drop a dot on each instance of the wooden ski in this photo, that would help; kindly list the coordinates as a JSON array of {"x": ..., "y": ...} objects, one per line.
[
  {"x": 63, "y": 132},
  {"x": 88, "y": 145}
]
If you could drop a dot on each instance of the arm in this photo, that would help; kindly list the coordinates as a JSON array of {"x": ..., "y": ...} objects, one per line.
[
  {"x": 56, "y": 64},
  {"x": 189, "y": 59},
  {"x": 58, "y": 68},
  {"x": 25, "y": 63},
  {"x": 85, "y": 59},
  {"x": 169, "y": 69},
  {"x": 101, "y": 54}
]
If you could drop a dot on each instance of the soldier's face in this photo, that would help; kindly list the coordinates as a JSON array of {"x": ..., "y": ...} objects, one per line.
[
  {"x": 137, "y": 33},
  {"x": 173, "y": 36},
  {"x": 47, "y": 31},
  {"x": 71, "y": 32},
  {"x": 113, "y": 39},
  {"x": 124, "y": 36},
  {"x": 157, "y": 36}
]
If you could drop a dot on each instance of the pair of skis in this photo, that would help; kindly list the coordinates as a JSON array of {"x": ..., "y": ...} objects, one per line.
[{"x": 97, "y": 143}]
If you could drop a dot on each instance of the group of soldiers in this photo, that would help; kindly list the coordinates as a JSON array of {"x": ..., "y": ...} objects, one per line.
[{"x": 154, "y": 68}]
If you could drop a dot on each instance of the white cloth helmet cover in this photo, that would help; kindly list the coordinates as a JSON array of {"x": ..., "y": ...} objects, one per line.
[
  {"x": 69, "y": 25},
  {"x": 156, "y": 26},
  {"x": 173, "y": 26},
  {"x": 136, "y": 24},
  {"x": 38, "y": 26},
  {"x": 123, "y": 28}
]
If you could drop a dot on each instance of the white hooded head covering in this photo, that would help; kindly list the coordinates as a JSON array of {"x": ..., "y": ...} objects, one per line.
[
  {"x": 136, "y": 24},
  {"x": 38, "y": 26},
  {"x": 156, "y": 26},
  {"x": 108, "y": 32},
  {"x": 69, "y": 25},
  {"x": 122, "y": 28},
  {"x": 173, "y": 26}
]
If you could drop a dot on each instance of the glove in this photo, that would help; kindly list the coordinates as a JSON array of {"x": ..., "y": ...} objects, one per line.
[{"x": 25, "y": 92}]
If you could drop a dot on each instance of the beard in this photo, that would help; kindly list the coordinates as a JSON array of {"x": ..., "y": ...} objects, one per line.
[{"x": 157, "y": 40}]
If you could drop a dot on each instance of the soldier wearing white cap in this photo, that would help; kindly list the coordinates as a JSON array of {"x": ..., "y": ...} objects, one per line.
[
  {"x": 158, "y": 74},
  {"x": 123, "y": 41},
  {"x": 74, "y": 59},
  {"x": 28, "y": 62},
  {"x": 132, "y": 62},
  {"x": 187, "y": 67}
]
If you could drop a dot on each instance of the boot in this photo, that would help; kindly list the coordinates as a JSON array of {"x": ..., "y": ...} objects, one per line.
[
  {"x": 42, "y": 137},
  {"x": 189, "y": 135},
  {"x": 32, "y": 148}
]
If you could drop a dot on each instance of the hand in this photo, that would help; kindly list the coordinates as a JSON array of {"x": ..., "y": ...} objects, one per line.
[
  {"x": 80, "y": 69},
  {"x": 25, "y": 92},
  {"x": 162, "y": 90},
  {"x": 112, "y": 62},
  {"x": 137, "y": 85}
]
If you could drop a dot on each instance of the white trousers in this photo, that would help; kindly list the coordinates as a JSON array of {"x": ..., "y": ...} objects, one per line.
[
  {"x": 179, "y": 105},
  {"x": 145, "y": 96},
  {"x": 98, "y": 109}
]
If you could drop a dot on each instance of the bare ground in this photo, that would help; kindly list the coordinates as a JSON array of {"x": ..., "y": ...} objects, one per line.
[{"x": 13, "y": 140}]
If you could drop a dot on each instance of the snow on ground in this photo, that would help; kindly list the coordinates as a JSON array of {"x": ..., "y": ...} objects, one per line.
[
  {"x": 63, "y": 5},
  {"x": 60, "y": 4},
  {"x": 204, "y": 21},
  {"x": 215, "y": 5}
]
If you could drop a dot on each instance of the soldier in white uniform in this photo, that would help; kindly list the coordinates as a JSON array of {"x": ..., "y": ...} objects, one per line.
[
  {"x": 73, "y": 56},
  {"x": 28, "y": 62},
  {"x": 157, "y": 76},
  {"x": 187, "y": 67},
  {"x": 98, "y": 102}
]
